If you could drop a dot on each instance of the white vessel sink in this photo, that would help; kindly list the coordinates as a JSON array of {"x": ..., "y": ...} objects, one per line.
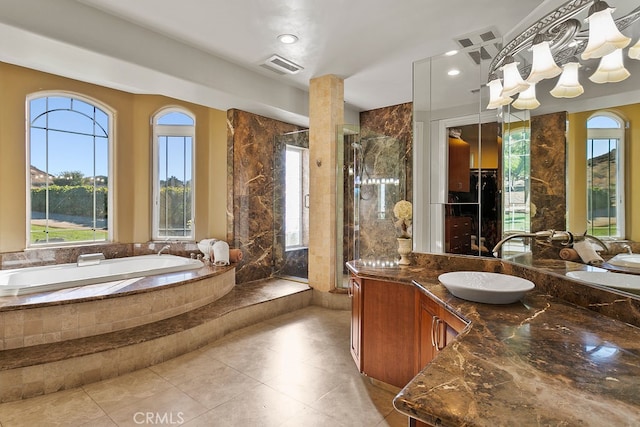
[
  {"x": 489, "y": 288},
  {"x": 627, "y": 282},
  {"x": 626, "y": 260}
]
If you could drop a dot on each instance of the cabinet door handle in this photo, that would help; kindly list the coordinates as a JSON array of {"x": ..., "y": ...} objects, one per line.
[
  {"x": 434, "y": 320},
  {"x": 439, "y": 334}
]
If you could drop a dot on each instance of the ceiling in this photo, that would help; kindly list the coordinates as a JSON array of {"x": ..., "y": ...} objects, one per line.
[{"x": 209, "y": 51}]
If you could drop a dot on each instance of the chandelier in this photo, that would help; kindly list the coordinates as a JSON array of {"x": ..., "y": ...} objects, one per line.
[{"x": 557, "y": 44}]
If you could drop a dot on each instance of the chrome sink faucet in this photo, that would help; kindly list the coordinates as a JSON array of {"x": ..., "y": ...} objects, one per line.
[
  {"x": 538, "y": 235},
  {"x": 628, "y": 248},
  {"x": 565, "y": 238}
]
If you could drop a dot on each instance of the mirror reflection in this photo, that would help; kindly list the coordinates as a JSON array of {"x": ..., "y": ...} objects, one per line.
[{"x": 565, "y": 165}]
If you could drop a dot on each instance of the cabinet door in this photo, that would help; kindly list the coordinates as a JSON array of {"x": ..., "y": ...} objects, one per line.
[
  {"x": 388, "y": 331},
  {"x": 427, "y": 314},
  {"x": 355, "y": 292}
]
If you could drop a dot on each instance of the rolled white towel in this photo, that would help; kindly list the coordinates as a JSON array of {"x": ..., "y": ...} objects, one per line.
[
  {"x": 220, "y": 251},
  {"x": 587, "y": 253}
]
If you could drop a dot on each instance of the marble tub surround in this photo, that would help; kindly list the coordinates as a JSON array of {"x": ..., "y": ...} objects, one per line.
[
  {"x": 57, "y": 316},
  {"x": 35, "y": 257},
  {"x": 47, "y": 368}
]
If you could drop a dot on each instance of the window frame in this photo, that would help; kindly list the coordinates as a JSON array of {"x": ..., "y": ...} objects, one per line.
[
  {"x": 618, "y": 134},
  {"x": 176, "y": 131},
  {"x": 111, "y": 141}
]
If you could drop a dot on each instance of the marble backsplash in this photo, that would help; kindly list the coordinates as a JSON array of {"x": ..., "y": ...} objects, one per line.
[
  {"x": 36, "y": 257},
  {"x": 549, "y": 277}
]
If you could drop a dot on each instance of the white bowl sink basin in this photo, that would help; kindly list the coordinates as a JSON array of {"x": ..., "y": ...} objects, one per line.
[
  {"x": 626, "y": 260},
  {"x": 627, "y": 282},
  {"x": 489, "y": 288}
]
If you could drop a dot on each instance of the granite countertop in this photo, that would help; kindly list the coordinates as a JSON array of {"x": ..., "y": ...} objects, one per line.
[{"x": 540, "y": 361}]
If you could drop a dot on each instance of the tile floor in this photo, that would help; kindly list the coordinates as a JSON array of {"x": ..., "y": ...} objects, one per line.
[{"x": 293, "y": 370}]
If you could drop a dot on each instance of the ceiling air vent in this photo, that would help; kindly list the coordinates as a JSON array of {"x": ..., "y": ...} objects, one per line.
[
  {"x": 281, "y": 65},
  {"x": 489, "y": 40}
]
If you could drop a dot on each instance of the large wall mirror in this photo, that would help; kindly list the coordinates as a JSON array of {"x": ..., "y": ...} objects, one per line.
[{"x": 567, "y": 164}]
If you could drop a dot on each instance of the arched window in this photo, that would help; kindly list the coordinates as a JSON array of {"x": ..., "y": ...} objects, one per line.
[
  {"x": 68, "y": 154},
  {"x": 605, "y": 175},
  {"x": 173, "y": 172}
]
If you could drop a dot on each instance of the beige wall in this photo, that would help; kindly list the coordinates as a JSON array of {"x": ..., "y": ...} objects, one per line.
[
  {"x": 576, "y": 169},
  {"x": 132, "y": 157}
]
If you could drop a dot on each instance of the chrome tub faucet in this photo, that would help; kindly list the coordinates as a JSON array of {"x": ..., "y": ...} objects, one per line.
[{"x": 89, "y": 259}]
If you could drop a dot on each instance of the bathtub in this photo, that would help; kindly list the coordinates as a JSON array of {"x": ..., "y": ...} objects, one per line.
[{"x": 60, "y": 276}]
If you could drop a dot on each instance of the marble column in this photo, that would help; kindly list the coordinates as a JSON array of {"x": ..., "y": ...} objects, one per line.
[{"x": 326, "y": 112}]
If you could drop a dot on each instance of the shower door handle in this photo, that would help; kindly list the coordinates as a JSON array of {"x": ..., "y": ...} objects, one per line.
[{"x": 306, "y": 201}]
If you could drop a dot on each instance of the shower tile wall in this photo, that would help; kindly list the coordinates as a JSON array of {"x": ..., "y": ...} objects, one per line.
[
  {"x": 386, "y": 137},
  {"x": 250, "y": 183}
]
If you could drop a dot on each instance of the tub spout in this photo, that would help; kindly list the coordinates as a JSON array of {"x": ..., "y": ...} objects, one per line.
[
  {"x": 164, "y": 248},
  {"x": 90, "y": 259}
]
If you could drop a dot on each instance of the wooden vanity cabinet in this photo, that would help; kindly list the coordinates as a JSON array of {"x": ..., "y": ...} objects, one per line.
[{"x": 383, "y": 329}]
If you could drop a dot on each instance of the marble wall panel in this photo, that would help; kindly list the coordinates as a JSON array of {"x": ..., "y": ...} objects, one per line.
[
  {"x": 548, "y": 176},
  {"x": 251, "y": 190}
]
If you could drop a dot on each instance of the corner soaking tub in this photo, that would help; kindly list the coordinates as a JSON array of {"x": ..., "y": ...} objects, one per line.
[{"x": 60, "y": 276}]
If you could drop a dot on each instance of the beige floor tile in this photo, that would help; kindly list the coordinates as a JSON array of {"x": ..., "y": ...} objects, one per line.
[
  {"x": 262, "y": 406},
  {"x": 187, "y": 367},
  {"x": 293, "y": 370},
  {"x": 304, "y": 382},
  {"x": 309, "y": 417},
  {"x": 65, "y": 408},
  {"x": 104, "y": 421},
  {"x": 357, "y": 403},
  {"x": 167, "y": 407},
  {"x": 218, "y": 386},
  {"x": 113, "y": 393}
]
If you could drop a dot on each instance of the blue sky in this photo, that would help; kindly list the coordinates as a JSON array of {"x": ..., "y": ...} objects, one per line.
[{"x": 86, "y": 148}]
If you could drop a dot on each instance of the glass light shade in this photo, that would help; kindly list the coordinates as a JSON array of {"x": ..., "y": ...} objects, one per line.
[
  {"x": 568, "y": 85},
  {"x": 495, "y": 100},
  {"x": 513, "y": 82},
  {"x": 527, "y": 99},
  {"x": 544, "y": 67},
  {"x": 611, "y": 69},
  {"x": 634, "y": 51},
  {"x": 604, "y": 36}
]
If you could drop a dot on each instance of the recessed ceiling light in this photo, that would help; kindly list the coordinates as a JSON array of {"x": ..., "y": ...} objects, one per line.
[
  {"x": 453, "y": 72},
  {"x": 287, "y": 38},
  {"x": 451, "y": 52}
]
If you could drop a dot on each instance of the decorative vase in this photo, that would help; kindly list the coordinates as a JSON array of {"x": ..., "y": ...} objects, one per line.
[{"x": 404, "y": 249}]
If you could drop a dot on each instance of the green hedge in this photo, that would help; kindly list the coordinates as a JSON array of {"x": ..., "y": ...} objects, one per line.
[
  {"x": 70, "y": 200},
  {"x": 172, "y": 203},
  {"x": 78, "y": 200}
]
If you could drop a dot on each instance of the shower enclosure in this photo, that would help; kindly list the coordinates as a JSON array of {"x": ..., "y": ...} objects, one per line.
[
  {"x": 375, "y": 181},
  {"x": 291, "y": 206}
]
